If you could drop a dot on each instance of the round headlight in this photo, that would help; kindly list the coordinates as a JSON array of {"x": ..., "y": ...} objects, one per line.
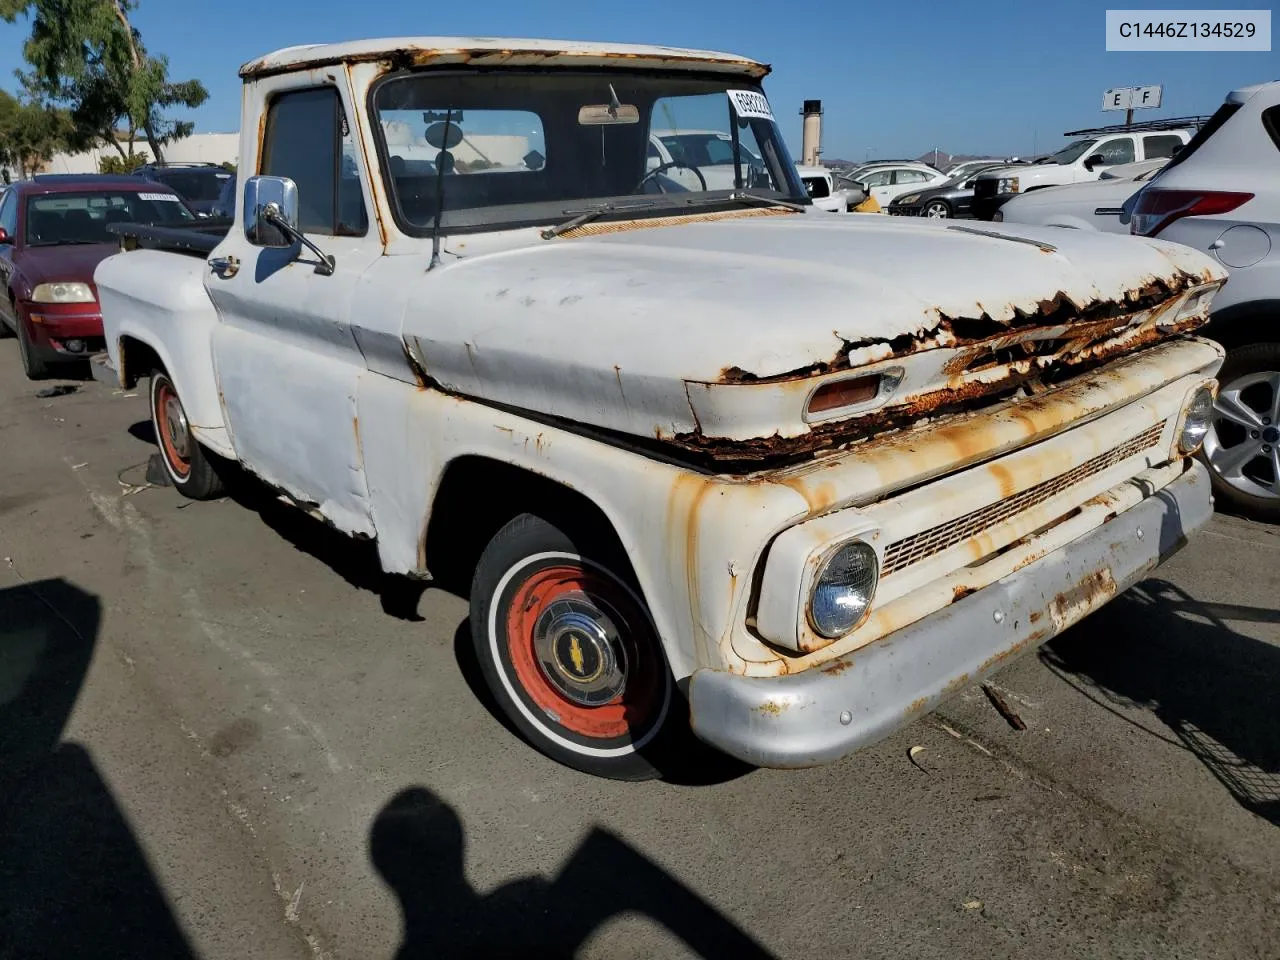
[
  {"x": 842, "y": 592},
  {"x": 1195, "y": 420}
]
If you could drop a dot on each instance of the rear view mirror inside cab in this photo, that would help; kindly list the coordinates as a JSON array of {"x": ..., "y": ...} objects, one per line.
[{"x": 602, "y": 114}]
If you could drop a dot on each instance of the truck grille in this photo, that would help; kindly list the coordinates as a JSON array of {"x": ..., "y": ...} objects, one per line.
[
  {"x": 985, "y": 188},
  {"x": 927, "y": 543}
]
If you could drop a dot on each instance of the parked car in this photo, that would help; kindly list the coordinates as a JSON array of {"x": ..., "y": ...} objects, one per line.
[
  {"x": 950, "y": 198},
  {"x": 1083, "y": 159},
  {"x": 966, "y": 169},
  {"x": 1096, "y": 205},
  {"x": 199, "y": 184},
  {"x": 1221, "y": 195},
  {"x": 224, "y": 206},
  {"x": 889, "y": 181},
  {"x": 830, "y": 191},
  {"x": 53, "y": 233},
  {"x": 683, "y": 443}
]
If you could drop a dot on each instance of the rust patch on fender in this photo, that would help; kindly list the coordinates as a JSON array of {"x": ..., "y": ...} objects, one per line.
[
  {"x": 960, "y": 591},
  {"x": 837, "y": 667},
  {"x": 915, "y": 706},
  {"x": 772, "y": 708}
]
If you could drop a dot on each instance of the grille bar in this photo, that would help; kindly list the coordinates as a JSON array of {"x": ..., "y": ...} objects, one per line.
[{"x": 920, "y": 546}]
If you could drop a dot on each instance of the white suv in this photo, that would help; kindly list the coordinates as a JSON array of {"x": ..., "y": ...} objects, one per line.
[
  {"x": 1082, "y": 159},
  {"x": 1221, "y": 195}
]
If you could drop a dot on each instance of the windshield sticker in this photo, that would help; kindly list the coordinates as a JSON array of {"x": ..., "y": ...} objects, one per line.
[
  {"x": 749, "y": 103},
  {"x": 169, "y": 197}
]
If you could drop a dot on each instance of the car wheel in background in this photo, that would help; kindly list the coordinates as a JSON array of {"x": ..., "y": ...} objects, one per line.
[
  {"x": 570, "y": 653},
  {"x": 189, "y": 465},
  {"x": 34, "y": 367},
  {"x": 936, "y": 210},
  {"x": 1242, "y": 447}
]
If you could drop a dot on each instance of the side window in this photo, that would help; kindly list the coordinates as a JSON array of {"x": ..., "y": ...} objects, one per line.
[
  {"x": 1119, "y": 150},
  {"x": 878, "y": 179},
  {"x": 307, "y": 140},
  {"x": 910, "y": 176},
  {"x": 1161, "y": 145},
  {"x": 9, "y": 214}
]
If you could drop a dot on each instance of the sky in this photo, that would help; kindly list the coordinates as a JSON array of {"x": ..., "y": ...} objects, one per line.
[{"x": 897, "y": 79}]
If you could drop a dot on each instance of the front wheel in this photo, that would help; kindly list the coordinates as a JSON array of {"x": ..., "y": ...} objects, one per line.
[
  {"x": 937, "y": 210},
  {"x": 569, "y": 651},
  {"x": 32, "y": 365},
  {"x": 188, "y": 464},
  {"x": 1242, "y": 447}
]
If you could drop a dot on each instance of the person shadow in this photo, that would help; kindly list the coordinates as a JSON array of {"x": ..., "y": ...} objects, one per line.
[
  {"x": 1159, "y": 648},
  {"x": 418, "y": 846},
  {"x": 74, "y": 881}
]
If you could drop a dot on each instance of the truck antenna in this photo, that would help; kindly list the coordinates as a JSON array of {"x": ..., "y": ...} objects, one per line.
[{"x": 440, "y": 163}]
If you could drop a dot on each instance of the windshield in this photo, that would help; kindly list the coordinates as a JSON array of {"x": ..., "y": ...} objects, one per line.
[
  {"x": 1072, "y": 151},
  {"x": 200, "y": 187},
  {"x": 519, "y": 148},
  {"x": 65, "y": 218}
]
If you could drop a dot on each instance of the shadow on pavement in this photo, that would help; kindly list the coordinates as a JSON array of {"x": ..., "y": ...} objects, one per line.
[
  {"x": 355, "y": 560},
  {"x": 418, "y": 846},
  {"x": 1158, "y": 648},
  {"x": 73, "y": 880}
]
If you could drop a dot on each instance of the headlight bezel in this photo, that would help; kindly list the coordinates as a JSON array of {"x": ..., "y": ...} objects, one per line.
[
  {"x": 1009, "y": 185},
  {"x": 74, "y": 291},
  {"x": 1196, "y": 395},
  {"x": 908, "y": 199},
  {"x": 830, "y": 632}
]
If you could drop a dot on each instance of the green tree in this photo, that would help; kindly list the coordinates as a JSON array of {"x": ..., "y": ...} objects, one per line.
[
  {"x": 125, "y": 165},
  {"x": 30, "y": 134},
  {"x": 87, "y": 56}
]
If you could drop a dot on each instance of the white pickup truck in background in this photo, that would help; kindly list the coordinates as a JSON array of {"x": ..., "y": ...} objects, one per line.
[
  {"x": 713, "y": 460},
  {"x": 1084, "y": 159}
]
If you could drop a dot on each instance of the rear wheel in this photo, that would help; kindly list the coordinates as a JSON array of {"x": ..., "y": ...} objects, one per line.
[
  {"x": 569, "y": 651},
  {"x": 937, "y": 210},
  {"x": 1242, "y": 447},
  {"x": 188, "y": 464}
]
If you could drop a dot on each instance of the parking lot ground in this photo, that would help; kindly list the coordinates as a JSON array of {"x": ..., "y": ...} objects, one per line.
[{"x": 223, "y": 734}]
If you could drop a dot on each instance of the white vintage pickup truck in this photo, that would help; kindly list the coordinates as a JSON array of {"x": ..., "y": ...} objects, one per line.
[{"x": 727, "y": 465}]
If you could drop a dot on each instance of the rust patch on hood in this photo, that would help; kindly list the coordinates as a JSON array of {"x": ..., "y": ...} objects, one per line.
[{"x": 1035, "y": 353}]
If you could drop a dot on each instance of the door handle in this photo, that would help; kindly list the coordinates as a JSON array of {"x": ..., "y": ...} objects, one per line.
[{"x": 225, "y": 267}]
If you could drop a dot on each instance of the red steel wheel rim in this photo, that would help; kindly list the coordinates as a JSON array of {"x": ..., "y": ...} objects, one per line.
[
  {"x": 626, "y": 714},
  {"x": 177, "y": 462}
]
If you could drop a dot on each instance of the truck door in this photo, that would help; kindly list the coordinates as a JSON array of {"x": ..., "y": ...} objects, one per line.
[{"x": 286, "y": 359}]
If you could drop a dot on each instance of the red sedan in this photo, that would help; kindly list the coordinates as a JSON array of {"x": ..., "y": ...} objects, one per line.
[{"x": 53, "y": 233}]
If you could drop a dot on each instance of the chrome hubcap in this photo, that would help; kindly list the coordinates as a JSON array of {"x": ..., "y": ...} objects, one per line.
[
  {"x": 1243, "y": 442},
  {"x": 936, "y": 212},
  {"x": 580, "y": 652},
  {"x": 176, "y": 421}
]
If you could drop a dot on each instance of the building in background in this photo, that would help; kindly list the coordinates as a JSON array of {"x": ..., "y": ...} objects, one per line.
[{"x": 214, "y": 148}]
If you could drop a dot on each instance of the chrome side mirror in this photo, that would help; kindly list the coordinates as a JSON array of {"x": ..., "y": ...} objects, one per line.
[{"x": 280, "y": 194}]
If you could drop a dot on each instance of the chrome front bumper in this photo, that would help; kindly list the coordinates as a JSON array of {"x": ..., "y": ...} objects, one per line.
[{"x": 828, "y": 711}]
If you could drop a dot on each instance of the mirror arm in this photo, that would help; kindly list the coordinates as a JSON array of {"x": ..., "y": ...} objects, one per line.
[{"x": 271, "y": 213}]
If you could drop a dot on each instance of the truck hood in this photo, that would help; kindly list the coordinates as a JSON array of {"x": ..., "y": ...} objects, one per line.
[{"x": 627, "y": 326}]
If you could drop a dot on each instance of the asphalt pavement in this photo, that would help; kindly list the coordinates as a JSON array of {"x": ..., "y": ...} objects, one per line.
[{"x": 224, "y": 734}]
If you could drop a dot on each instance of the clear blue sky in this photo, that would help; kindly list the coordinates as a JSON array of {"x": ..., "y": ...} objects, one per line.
[{"x": 896, "y": 78}]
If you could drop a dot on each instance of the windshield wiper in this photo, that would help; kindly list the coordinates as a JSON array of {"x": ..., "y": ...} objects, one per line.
[
  {"x": 586, "y": 216},
  {"x": 752, "y": 198}
]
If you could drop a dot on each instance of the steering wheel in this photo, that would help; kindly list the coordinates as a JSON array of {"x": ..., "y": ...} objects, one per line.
[{"x": 663, "y": 167}]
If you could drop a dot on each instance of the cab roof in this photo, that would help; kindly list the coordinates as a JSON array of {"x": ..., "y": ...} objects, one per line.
[{"x": 499, "y": 51}]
